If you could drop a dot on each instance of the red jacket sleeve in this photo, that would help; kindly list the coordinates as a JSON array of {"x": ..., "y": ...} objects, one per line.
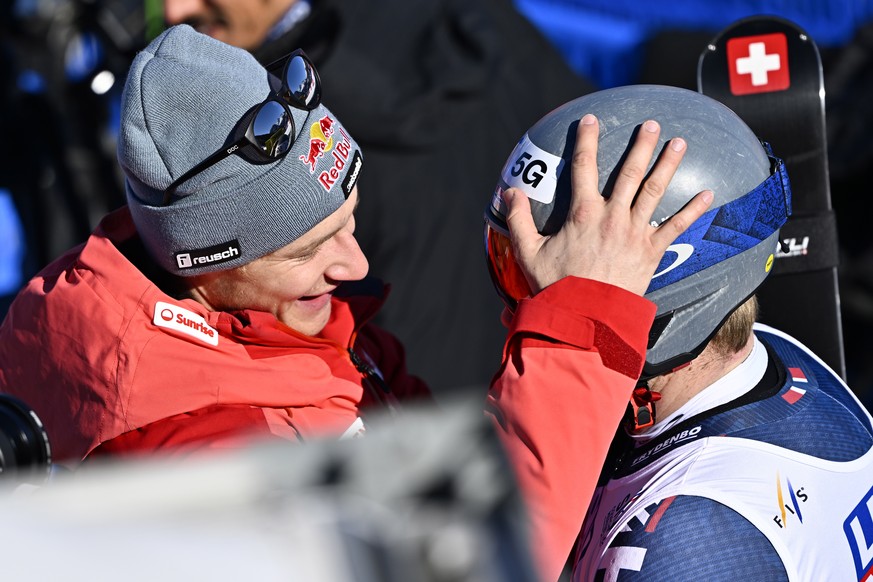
[
  {"x": 570, "y": 363},
  {"x": 219, "y": 427}
]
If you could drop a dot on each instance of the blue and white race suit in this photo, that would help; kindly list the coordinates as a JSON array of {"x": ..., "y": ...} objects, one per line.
[{"x": 765, "y": 475}]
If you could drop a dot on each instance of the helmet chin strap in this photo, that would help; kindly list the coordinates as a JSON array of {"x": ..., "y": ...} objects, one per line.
[
  {"x": 642, "y": 402},
  {"x": 642, "y": 405}
]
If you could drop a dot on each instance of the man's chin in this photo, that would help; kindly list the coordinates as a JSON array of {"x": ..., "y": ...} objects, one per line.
[{"x": 309, "y": 315}]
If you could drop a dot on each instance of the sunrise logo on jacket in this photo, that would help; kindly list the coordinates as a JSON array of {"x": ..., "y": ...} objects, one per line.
[{"x": 179, "y": 319}]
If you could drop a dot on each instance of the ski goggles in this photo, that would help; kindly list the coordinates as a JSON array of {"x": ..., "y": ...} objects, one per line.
[{"x": 271, "y": 129}]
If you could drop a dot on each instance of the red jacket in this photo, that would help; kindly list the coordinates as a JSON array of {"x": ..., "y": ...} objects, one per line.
[
  {"x": 101, "y": 353},
  {"x": 112, "y": 364}
]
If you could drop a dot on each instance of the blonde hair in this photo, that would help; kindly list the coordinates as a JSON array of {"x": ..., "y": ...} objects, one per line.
[{"x": 734, "y": 333}]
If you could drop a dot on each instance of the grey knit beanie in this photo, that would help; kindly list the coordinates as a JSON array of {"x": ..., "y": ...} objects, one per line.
[{"x": 183, "y": 100}]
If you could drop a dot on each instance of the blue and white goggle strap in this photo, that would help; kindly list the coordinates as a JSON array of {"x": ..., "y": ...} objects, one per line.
[{"x": 730, "y": 229}]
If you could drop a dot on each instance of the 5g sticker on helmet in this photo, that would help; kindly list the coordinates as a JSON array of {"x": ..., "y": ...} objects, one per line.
[
  {"x": 533, "y": 170},
  {"x": 532, "y": 173}
]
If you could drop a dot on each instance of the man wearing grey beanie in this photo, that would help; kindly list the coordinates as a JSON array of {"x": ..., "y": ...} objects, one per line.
[{"x": 228, "y": 302}]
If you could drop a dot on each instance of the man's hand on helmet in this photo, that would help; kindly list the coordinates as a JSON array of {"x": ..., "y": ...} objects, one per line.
[{"x": 606, "y": 238}]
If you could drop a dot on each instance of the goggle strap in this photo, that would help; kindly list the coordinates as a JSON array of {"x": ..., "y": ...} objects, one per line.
[{"x": 732, "y": 228}]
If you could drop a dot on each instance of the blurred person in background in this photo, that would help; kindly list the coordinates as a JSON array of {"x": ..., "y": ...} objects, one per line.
[{"x": 61, "y": 60}]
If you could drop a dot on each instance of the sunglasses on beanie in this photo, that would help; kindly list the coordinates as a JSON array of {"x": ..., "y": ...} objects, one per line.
[{"x": 271, "y": 129}]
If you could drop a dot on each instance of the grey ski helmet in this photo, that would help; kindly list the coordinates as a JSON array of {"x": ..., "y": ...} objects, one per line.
[{"x": 717, "y": 263}]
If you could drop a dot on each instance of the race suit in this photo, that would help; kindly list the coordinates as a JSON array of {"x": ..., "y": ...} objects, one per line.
[
  {"x": 765, "y": 475},
  {"x": 115, "y": 363}
]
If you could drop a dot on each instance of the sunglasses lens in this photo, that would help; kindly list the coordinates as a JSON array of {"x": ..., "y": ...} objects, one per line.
[
  {"x": 302, "y": 84},
  {"x": 273, "y": 129}
]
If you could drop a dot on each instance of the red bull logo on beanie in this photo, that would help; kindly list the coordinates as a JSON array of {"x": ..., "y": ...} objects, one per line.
[
  {"x": 340, "y": 156},
  {"x": 220, "y": 253},
  {"x": 320, "y": 141}
]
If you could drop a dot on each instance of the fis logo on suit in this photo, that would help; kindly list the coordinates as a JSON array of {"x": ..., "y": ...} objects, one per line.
[
  {"x": 858, "y": 529},
  {"x": 789, "y": 500}
]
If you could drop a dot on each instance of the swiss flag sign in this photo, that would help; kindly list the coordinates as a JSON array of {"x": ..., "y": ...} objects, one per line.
[{"x": 758, "y": 64}]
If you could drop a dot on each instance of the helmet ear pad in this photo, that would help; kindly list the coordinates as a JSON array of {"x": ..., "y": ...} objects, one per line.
[{"x": 727, "y": 253}]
